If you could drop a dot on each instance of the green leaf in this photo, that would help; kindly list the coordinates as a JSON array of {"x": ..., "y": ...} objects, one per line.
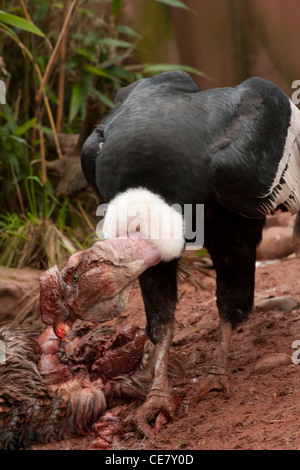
[
  {"x": 47, "y": 130},
  {"x": 105, "y": 99},
  {"x": 202, "y": 252},
  {"x": 120, "y": 73},
  {"x": 84, "y": 53},
  {"x": 97, "y": 71},
  {"x": 18, "y": 140},
  {"x": 15, "y": 163},
  {"x": 159, "y": 68},
  {"x": 41, "y": 13},
  {"x": 91, "y": 38},
  {"x": 20, "y": 23},
  {"x": 174, "y": 3},
  {"x": 116, "y": 7},
  {"x": 88, "y": 12},
  {"x": 115, "y": 42},
  {"x": 76, "y": 98},
  {"x": 9, "y": 116},
  {"x": 25, "y": 127},
  {"x": 116, "y": 59},
  {"x": 16, "y": 234},
  {"x": 62, "y": 215},
  {"x": 124, "y": 29},
  {"x": 36, "y": 179}
]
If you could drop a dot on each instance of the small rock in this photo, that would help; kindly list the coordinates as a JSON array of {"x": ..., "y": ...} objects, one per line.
[
  {"x": 272, "y": 361},
  {"x": 286, "y": 303},
  {"x": 280, "y": 219},
  {"x": 277, "y": 242}
]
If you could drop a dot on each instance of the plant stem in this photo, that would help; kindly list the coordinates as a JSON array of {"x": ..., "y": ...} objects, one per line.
[
  {"x": 84, "y": 215},
  {"x": 43, "y": 155},
  {"x": 39, "y": 75},
  {"x": 28, "y": 18},
  {"x": 18, "y": 188},
  {"x": 61, "y": 79},
  {"x": 54, "y": 54}
]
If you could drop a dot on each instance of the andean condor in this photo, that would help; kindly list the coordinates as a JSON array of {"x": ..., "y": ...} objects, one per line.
[{"x": 233, "y": 149}]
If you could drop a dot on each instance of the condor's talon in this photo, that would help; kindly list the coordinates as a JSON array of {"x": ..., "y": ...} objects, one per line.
[
  {"x": 157, "y": 402},
  {"x": 214, "y": 381},
  {"x": 137, "y": 422},
  {"x": 217, "y": 375},
  {"x": 148, "y": 413}
]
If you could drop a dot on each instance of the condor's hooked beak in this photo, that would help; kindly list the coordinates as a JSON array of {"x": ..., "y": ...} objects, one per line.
[
  {"x": 63, "y": 324},
  {"x": 54, "y": 311},
  {"x": 104, "y": 276}
]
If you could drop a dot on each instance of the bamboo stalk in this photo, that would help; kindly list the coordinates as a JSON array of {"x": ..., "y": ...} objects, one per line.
[
  {"x": 28, "y": 18},
  {"x": 46, "y": 101},
  {"x": 51, "y": 62},
  {"x": 84, "y": 215},
  {"x": 61, "y": 79},
  {"x": 52, "y": 125},
  {"x": 43, "y": 155},
  {"x": 18, "y": 189},
  {"x": 17, "y": 106}
]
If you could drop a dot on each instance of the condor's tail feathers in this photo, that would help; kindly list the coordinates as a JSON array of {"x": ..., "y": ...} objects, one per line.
[{"x": 285, "y": 189}]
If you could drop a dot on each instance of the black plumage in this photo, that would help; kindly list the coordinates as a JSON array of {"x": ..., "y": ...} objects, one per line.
[{"x": 234, "y": 149}]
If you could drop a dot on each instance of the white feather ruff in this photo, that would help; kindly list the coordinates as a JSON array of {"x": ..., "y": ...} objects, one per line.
[
  {"x": 288, "y": 171},
  {"x": 139, "y": 213}
]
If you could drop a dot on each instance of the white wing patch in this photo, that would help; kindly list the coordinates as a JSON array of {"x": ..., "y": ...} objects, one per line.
[{"x": 285, "y": 188}]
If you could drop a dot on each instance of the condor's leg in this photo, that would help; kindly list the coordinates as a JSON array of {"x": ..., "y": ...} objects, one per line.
[
  {"x": 159, "y": 290},
  {"x": 232, "y": 245}
]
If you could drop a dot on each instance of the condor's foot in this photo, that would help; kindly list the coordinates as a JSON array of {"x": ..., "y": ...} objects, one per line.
[
  {"x": 159, "y": 406},
  {"x": 216, "y": 379},
  {"x": 157, "y": 409},
  {"x": 217, "y": 375}
]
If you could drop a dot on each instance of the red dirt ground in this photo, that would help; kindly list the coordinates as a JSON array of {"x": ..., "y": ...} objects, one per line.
[{"x": 263, "y": 409}]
